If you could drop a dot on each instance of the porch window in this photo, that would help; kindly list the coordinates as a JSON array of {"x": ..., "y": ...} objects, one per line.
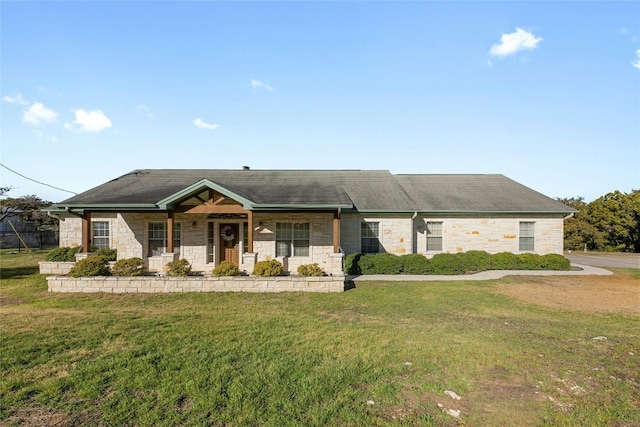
[
  {"x": 100, "y": 234},
  {"x": 211, "y": 242},
  {"x": 434, "y": 236},
  {"x": 292, "y": 239},
  {"x": 369, "y": 237},
  {"x": 158, "y": 238},
  {"x": 527, "y": 236}
]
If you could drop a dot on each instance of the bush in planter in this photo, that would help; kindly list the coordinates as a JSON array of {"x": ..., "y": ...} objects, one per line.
[
  {"x": 95, "y": 265},
  {"x": 310, "y": 270},
  {"x": 108, "y": 253},
  {"x": 226, "y": 268},
  {"x": 63, "y": 254},
  {"x": 128, "y": 267},
  {"x": 531, "y": 262},
  {"x": 269, "y": 267},
  {"x": 178, "y": 268},
  {"x": 415, "y": 264}
]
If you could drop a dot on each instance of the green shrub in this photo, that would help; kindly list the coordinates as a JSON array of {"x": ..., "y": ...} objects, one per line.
[
  {"x": 447, "y": 264},
  {"x": 386, "y": 263},
  {"x": 352, "y": 264},
  {"x": 226, "y": 268},
  {"x": 108, "y": 253},
  {"x": 505, "y": 261},
  {"x": 415, "y": 264},
  {"x": 94, "y": 265},
  {"x": 555, "y": 262},
  {"x": 530, "y": 262},
  {"x": 269, "y": 267},
  {"x": 310, "y": 270},
  {"x": 128, "y": 267},
  {"x": 63, "y": 254},
  {"x": 475, "y": 261},
  {"x": 178, "y": 268},
  {"x": 366, "y": 264}
]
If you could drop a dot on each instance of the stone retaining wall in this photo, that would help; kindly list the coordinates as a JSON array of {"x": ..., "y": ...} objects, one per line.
[
  {"x": 158, "y": 284},
  {"x": 50, "y": 267}
]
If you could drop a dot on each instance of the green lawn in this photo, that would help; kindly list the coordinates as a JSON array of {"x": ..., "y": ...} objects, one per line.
[{"x": 379, "y": 354}]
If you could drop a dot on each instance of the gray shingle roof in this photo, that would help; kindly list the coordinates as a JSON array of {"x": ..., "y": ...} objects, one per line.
[{"x": 365, "y": 190}]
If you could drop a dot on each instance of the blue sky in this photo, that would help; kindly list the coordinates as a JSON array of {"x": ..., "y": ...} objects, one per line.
[{"x": 547, "y": 93}]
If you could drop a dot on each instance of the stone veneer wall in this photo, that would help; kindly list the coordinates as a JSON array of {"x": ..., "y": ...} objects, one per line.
[
  {"x": 491, "y": 234},
  {"x": 155, "y": 284}
]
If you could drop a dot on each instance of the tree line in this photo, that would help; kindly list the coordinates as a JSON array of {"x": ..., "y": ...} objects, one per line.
[{"x": 609, "y": 223}]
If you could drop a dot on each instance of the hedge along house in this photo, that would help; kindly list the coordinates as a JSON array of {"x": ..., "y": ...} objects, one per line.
[{"x": 303, "y": 217}]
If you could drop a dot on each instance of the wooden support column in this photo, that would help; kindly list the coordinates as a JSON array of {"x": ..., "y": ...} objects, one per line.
[
  {"x": 249, "y": 232},
  {"x": 170, "y": 232},
  {"x": 86, "y": 232},
  {"x": 336, "y": 232}
]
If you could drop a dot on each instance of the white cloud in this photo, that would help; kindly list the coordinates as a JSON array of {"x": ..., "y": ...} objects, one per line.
[
  {"x": 636, "y": 63},
  {"x": 18, "y": 99},
  {"x": 146, "y": 110},
  {"x": 257, "y": 84},
  {"x": 38, "y": 114},
  {"x": 91, "y": 121},
  {"x": 515, "y": 42},
  {"x": 203, "y": 125}
]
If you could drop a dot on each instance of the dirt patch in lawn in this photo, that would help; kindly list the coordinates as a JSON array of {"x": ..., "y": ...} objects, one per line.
[{"x": 587, "y": 294}]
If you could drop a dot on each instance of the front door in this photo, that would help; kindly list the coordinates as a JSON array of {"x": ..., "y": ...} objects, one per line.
[{"x": 229, "y": 243}]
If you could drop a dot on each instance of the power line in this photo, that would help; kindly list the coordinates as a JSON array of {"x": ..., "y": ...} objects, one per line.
[{"x": 42, "y": 183}]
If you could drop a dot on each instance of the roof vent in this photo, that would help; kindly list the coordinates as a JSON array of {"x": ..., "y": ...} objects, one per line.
[{"x": 246, "y": 168}]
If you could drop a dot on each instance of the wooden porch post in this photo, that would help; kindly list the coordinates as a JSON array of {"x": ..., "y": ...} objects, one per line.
[
  {"x": 336, "y": 232},
  {"x": 86, "y": 232},
  {"x": 249, "y": 232},
  {"x": 170, "y": 232}
]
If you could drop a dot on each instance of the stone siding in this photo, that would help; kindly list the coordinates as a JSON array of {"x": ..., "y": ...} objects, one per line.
[
  {"x": 402, "y": 235},
  {"x": 153, "y": 284}
]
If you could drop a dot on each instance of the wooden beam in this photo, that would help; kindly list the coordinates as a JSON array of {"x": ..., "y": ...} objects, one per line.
[
  {"x": 249, "y": 232},
  {"x": 223, "y": 209},
  {"x": 86, "y": 232},
  {"x": 170, "y": 231},
  {"x": 336, "y": 232}
]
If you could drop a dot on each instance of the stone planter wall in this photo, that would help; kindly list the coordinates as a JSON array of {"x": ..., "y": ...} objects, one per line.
[
  {"x": 49, "y": 267},
  {"x": 159, "y": 284}
]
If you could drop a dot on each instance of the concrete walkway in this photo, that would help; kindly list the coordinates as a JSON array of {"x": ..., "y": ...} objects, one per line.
[{"x": 579, "y": 270}]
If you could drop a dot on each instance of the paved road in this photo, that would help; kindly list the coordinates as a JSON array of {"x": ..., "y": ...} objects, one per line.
[{"x": 608, "y": 260}]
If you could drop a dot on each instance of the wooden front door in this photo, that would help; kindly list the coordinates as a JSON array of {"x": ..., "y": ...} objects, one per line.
[{"x": 229, "y": 243}]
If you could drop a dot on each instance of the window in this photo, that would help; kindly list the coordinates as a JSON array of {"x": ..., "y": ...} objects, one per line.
[
  {"x": 245, "y": 237},
  {"x": 292, "y": 239},
  {"x": 211, "y": 242},
  {"x": 434, "y": 236},
  {"x": 369, "y": 234},
  {"x": 100, "y": 236},
  {"x": 527, "y": 233},
  {"x": 158, "y": 238}
]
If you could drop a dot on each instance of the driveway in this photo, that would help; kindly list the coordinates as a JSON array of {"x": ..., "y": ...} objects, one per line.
[{"x": 624, "y": 260}]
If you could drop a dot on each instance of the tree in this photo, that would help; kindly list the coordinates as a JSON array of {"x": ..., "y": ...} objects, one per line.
[
  {"x": 617, "y": 216},
  {"x": 30, "y": 210},
  {"x": 578, "y": 231}
]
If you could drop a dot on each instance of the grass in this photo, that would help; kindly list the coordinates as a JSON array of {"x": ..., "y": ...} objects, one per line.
[{"x": 297, "y": 359}]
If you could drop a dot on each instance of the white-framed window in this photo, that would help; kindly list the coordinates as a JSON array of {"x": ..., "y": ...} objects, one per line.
[
  {"x": 158, "y": 238},
  {"x": 369, "y": 237},
  {"x": 100, "y": 234},
  {"x": 527, "y": 236},
  {"x": 292, "y": 239},
  {"x": 434, "y": 236}
]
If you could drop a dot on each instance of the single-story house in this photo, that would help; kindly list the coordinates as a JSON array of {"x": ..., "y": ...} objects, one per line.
[{"x": 306, "y": 216}]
